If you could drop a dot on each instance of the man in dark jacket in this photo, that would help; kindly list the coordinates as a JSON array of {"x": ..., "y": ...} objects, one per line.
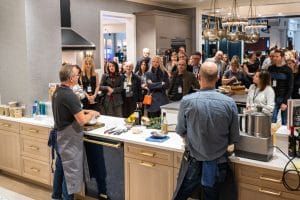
[
  {"x": 282, "y": 83},
  {"x": 182, "y": 82}
]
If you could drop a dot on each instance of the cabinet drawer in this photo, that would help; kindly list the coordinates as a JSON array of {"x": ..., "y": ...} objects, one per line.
[
  {"x": 177, "y": 159},
  {"x": 35, "y": 148},
  {"x": 9, "y": 126},
  {"x": 36, "y": 170},
  {"x": 265, "y": 177},
  {"x": 34, "y": 131},
  {"x": 250, "y": 192},
  {"x": 149, "y": 154}
]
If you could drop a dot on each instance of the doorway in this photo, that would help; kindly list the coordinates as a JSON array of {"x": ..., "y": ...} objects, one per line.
[{"x": 117, "y": 37}]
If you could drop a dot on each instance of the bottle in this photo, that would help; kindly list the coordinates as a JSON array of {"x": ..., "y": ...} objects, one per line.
[
  {"x": 137, "y": 115},
  {"x": 35, "y": 109},
  {"x": 292, "y": 143},
  {"x": 164, "y": 124}
]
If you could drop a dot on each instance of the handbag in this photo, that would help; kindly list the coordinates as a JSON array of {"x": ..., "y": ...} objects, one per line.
[{"x": 147, "y": 99}]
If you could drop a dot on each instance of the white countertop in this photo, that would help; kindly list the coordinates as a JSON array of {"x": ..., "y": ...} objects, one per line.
[
  {"x": 43, "y": 121},
  {"x": 174, "y": 143}
]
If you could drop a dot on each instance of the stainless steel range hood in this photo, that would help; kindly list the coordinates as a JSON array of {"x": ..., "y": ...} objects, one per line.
[{"x": 71, "y": 40}]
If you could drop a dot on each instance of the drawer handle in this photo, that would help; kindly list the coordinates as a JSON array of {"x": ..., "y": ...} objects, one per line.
[
  {"x": 269, "y": 192},
  {"x": 270, "y": 179},
  {"x": 107, "y": 144},
  {"x": 147, "y": 154},
  {"x": 34, "y": 147},
  {"x": 34, "y": 169},
  {"x": 146, "y": 164},
  {"x": 33, "y": 130}
]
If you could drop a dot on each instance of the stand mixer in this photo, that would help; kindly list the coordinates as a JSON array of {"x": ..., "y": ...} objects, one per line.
[{"x": 256, "y": 141}]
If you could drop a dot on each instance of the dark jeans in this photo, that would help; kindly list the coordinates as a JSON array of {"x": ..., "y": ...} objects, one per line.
[
  {"x": 192, "y": 181},
  {"x": 278, "y": 102},
  {"x": 59, "y": 183}
]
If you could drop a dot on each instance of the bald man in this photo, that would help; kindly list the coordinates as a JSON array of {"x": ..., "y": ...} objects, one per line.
[{"x": 209, "y": 124}]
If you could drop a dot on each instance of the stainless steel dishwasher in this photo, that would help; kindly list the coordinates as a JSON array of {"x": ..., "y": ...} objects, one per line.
[{"x": 106, "y": 166}]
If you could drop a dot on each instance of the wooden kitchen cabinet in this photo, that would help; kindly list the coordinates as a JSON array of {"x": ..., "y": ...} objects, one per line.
[
  {"x": 9, "y": 147},
  {"x": 149, "y": 173},
  {"x": 260, "y": 183},
  {"x": 35, "y": 153}
]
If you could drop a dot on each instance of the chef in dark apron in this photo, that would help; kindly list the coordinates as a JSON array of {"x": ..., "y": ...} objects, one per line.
[{"x": 68, "y": 120}]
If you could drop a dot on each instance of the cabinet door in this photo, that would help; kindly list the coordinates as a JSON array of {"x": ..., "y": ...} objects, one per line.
[
  {"x": 10, "y": 152},
  {"x": 250, "y": 192},
  {"x": 147, "y": 181}
]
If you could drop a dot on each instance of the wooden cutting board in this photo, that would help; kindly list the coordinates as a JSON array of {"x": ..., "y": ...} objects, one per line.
[{"x": 92, "y": 127}]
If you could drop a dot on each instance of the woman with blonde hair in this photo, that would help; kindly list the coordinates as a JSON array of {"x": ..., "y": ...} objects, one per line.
[
  {"x": 90, "y": 84},
  {"x": 157, "y": 81}
]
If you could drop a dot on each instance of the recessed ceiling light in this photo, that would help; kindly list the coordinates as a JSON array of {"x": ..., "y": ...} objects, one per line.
[{"x": 280, "y": 13}]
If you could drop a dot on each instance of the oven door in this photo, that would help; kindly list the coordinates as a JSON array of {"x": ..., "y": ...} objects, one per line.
[{"x": 106, "y": 166}]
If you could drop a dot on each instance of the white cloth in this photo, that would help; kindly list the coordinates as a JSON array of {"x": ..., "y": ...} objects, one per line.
[{"x": 265, "y": 99}]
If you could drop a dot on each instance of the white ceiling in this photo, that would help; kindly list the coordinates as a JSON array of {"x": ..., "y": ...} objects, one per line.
[{"x": 265, "y": 8}]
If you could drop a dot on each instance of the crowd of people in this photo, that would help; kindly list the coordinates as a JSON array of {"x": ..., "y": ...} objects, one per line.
[{"x": 122, "y": 87}]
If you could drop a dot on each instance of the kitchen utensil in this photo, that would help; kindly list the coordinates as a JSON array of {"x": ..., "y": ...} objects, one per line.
[{"x": 109, "y": 130}]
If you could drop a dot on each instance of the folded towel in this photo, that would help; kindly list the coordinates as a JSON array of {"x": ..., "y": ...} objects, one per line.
[{"x": 210, "y": 172}]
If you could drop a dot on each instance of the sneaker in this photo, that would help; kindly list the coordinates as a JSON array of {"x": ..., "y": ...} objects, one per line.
[{"x": 103, "y": 197}]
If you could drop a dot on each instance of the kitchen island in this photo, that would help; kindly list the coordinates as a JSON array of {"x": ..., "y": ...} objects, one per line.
[{"x": 151, "y": 168}]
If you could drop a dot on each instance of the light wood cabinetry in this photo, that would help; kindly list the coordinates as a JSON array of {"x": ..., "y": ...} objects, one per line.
[
  {"x": 155, "y": 30},
  {"x": 35, "y": 153},
  {"x": 261, "y": 183},
  {"x": 177, "y": 163},
  {"x": 9, "y": 147},
  {"x": 149, "y": 173}
]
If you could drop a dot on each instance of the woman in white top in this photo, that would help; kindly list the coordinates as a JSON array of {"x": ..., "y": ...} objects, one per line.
[{"x": 260, "y": 93}]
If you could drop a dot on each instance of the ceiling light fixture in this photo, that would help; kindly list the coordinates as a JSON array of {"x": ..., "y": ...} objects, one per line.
[
  {"x": 253, "y": 29},
  {"x": 234, "y": 24},
  {"x": 217, "y": 32}
]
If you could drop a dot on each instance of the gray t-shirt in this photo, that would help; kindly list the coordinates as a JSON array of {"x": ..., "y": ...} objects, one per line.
[
  {"x": 65, "y": 104},
  {"x": 229, "y": 74},
  {"x": 209, "y": 121}
]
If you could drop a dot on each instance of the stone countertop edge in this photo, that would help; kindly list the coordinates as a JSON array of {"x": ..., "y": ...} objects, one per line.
[{"x": 175, "y": 143}]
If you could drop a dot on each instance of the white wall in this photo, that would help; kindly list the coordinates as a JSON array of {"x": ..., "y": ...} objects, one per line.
[
  {"x": 13, "y": 53},
  {"x": 85, "y": 17},
  {"x": 30, "y": 49},
  {"x": 297, "y": 40}
]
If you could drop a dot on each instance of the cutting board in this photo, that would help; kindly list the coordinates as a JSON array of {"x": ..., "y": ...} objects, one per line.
[{"x": 92, "y": 127}]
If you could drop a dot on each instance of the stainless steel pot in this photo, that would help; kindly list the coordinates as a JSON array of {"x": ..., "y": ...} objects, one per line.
[{"x": 262, "y": 124}]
